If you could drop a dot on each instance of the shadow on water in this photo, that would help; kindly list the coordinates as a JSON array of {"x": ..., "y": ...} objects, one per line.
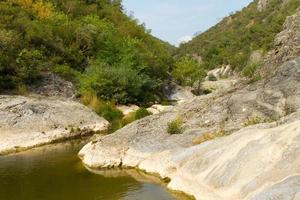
[{"x": 55, "y": 172}]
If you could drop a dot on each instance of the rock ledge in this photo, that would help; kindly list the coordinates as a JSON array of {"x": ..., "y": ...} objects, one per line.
[{"x": 27, "y": 122}]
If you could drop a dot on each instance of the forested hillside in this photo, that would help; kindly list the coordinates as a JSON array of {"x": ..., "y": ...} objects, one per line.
[
  {"x": 234, "y": 39},
  {"x": 91, "y": 43}
]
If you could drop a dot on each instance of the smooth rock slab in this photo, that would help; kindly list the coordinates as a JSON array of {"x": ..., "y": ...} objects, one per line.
[
  {"x": 253, "y": 163},
  {"x": 27, "y": 122}
]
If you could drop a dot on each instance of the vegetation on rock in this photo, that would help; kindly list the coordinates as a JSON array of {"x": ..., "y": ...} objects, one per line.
[{"x": 175, "y": 126}]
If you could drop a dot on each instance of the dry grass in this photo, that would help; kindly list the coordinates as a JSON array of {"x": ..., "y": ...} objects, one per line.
[
  {"x": 253, "y": 120},
  {"x": 208, "y": 136}
]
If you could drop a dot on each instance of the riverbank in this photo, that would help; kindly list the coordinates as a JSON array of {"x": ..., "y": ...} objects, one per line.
[{"x": 31, "y": 121}]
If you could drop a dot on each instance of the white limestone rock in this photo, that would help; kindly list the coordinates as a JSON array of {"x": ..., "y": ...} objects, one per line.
[{"x": 27, "y": 122}]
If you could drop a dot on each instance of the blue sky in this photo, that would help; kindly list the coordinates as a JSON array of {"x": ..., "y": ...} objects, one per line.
[{"x": 178, "y": 20}]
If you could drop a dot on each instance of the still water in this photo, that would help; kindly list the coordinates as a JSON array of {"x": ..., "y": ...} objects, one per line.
[{"x": 55, "y": 173}]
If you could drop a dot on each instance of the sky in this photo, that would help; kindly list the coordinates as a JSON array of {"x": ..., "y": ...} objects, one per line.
[{"x": 177, "y": 21}]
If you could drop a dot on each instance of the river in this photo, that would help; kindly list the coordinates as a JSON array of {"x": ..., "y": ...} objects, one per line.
[{"x": 54, "y": 172}]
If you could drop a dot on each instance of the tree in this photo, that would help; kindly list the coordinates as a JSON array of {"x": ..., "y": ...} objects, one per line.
[{"x": 187, "y": 71}]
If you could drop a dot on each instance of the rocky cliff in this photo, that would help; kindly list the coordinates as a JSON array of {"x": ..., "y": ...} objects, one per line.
[{"x": 286, "y": 45}]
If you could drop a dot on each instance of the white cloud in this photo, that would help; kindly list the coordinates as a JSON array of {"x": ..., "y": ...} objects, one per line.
[{"x": 184, "y": 39}]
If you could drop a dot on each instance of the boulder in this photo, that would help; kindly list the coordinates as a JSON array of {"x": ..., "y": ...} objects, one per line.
[
  {"x": 176, "y": 93},
  {"x": 216, "y": 86},
  {"x": 51, "y": 85},
  {"x": 27, "y": 122},
  {"x": 127, "y": 109},
  {"x": 157, "y": 108},
  {"x": 219, "y": 73}
]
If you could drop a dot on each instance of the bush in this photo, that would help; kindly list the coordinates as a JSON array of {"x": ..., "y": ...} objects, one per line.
[
  {"x": 187, "y": 71},
  {"x": 66, "y": 72},
  {"x": 29, "y": 65},
  {"x": 131, "y": 117},
  {"x": 175, "y": 126},
  {"x": 141, "y": 113},
  {"x": 128, "y": 119},
  {"x": 105, "y": 109},
  {"x": 108, "y": 111},
  {"x": 249, "y": 70},
  {"x": 119, "y": 84}
]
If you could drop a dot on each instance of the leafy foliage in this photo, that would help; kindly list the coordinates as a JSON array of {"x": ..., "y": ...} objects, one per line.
[
  {"x": 187, "y": 71},
  {"x": 141, "y": 113},
  {"x": 92, "y": 43}
]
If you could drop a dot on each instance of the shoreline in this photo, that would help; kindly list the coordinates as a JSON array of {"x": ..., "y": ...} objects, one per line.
[
  {"x": 192, "y": 172},
  {"x": 31, "y": 121},
  {"x": 47, "y": 138}
]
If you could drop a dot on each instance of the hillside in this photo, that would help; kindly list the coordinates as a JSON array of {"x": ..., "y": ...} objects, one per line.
[
  {"x": 236, "y": 37},
  {"x": 91, "y": 43}
]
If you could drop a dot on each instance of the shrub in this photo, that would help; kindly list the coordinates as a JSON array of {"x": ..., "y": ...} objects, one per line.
[
  {"x": 29, "y": 65},
  {"x": 22, "y": 90},
  {"x": 66, "y": 72},
  {"x": 119, "y": 84},
  {"x": 187, "y": 71},
  {"x": 105, "y": 109},
  {"x": 131, "y": 117},
  {"x": 175, "y": 126},
  {"x": 128, "y": 119},
  {"x": 141, "y": 113},
  {"x": 249, "y": 70},
  {"x": 108, "y": 111}
]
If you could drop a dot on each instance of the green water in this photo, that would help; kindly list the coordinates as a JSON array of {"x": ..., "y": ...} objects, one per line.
[{"x": 55, "y": 173}]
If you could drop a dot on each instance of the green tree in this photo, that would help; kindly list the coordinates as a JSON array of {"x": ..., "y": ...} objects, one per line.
[
  {"x": 187, "y": 71},
  {"x": 28, "y": 62}
]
